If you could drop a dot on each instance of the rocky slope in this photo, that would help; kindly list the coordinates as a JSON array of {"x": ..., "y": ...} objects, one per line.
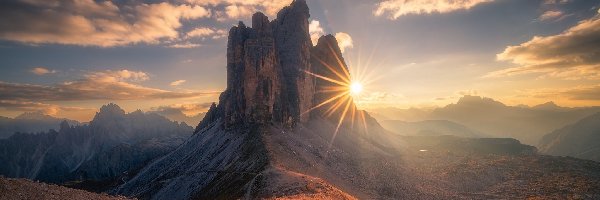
[
  {"x": 27, "y": 189},
  {"x": 111, "y": 144},
  {"x": 580, "y": 140},
  {"x": 31, "y": 122}
]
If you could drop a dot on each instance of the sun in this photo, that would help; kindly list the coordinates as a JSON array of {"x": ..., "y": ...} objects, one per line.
[{"x": 356, "y": 88}]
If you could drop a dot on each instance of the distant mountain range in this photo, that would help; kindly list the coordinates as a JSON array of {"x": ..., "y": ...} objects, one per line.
[
  {"x": 580, "y": 139},
  {"x": 30, "y": 122},
  {"x": 113, "y": 143},
  {"x": 430, "y": 128},
  {"x": 485, "y": 115},
  {"x": 178, "y": 115}
]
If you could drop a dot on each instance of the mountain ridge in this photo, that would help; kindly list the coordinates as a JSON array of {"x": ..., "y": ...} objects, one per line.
[{"x": 67, "y": 154}]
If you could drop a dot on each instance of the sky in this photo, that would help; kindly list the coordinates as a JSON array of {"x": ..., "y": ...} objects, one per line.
[{"x": 67, "y": 58}]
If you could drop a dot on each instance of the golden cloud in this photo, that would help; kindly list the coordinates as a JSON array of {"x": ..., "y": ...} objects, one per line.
[
  {"x": 206, "y": 32},
  {"x": 572, "y": 54},
  {"x": 93, "y": 23},
  {"x": 315, "y": 30},
  {"x": 177, "y": 82},
  {"x": 101, "y": 85},
  {"x": 397, "y": 8},
  {"x": 235, "y": 9},
  {"x": 30, "y": 106},
  {"x": 579, "y": 93},
  {"x": 185, "y": 45},
  {"x": 550, "y": 15},
  {"x": 42, "y": 71},
  {"x": 344, "y": 41}
]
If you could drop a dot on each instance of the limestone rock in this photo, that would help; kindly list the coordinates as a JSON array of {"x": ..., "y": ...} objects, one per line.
[{"x": 266, "y": 64}]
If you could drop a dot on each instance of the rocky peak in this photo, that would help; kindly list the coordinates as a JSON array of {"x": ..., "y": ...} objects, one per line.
[
  {"x": 327, "y": 60},
  {"x": 111, "y": 108},
  {"x": 261, "y": 24},
  {"x": 265, "y": 70},
  {"x": 293, "y": 43},
  {"x": 64, "y": 126},
  {"x": 109, "y": 114}
]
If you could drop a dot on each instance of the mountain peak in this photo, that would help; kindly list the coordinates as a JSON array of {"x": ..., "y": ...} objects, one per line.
[
  {"x": 297, "y": 6},
  {"x": 64, "y": 125},
  {"x": 35, "y": 116},
  {"x": 478, "y": 100},
  {"x": 550, "y": 105},
  {"x": 265, "y": 65},
  {"x": 112, "y": 108}
]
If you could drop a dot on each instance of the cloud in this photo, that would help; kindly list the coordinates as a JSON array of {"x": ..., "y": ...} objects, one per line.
[
  {"x": 185, "y": 45},
  {"x": 315, "y": 30},
  {"x": 42, "y": 71},
  {"x": 100, "y": 85},
  {"x": 206, "y": 32},
  {"x": 397, "y": 8},
  {"x": 30, "y": 106},
  {"x": 93, "y": 23},
  {"x": 572, "y": 54},
  {"x": 117, "y": 76},
  {"x": 344, "y": 41},
  {"x": 235, "y": 9},
  {"x": 556, "y": 1},
  {"x": 189, "y": 109},
  {"x": 580, "y": 93},
  {"x": 177, "y": 82},
  {"x": 190, "y": 113},
  {"x": 550, "y": 15},
  {"x": 239, "y": 11}
]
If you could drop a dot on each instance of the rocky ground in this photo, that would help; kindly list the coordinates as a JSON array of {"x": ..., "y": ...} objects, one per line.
[
  {"x": 23, "y": 189},
  {"x": 440, "y": 167}
]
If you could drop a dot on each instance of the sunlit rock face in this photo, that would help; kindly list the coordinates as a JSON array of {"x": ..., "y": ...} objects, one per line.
[{"x": 266, "y": 64}]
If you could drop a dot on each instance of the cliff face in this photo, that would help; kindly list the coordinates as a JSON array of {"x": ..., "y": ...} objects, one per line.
[{"x": 265, "y": 70}]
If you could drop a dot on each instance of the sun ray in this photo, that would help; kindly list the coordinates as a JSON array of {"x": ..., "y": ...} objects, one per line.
[
  {"x": 339, "y": 61},
  {"x": 340, "y": 121},
  {"x": 327, "y": 79},
  {"x": 341, "y": 76},
  {"x": 333, "y": 108},
  {"x": 325, "y": 102}
]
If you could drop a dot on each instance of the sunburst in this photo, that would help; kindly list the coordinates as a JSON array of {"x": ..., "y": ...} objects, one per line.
[{"x": 343, "y": 92}]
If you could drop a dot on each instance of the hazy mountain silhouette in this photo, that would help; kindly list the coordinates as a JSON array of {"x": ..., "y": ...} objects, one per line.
[
  {"x": 481, "y": 114},
  {"x": 495, "y": 118},
  {"x": 113, "y": 142},
  {"x": 430, "y": 128},
  {"x": 30, "y": 122},
  {"x": 580, "y": 139}
]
